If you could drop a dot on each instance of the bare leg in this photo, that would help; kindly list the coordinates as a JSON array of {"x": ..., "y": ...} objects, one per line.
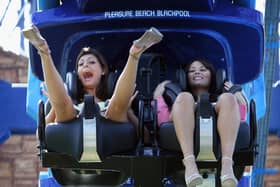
[
  {"x": 228, "y": 125},
  {"x": 124, "y": 90},
  {"x": 120, "y": 101},
  {"x": 183, "y": 118},
  {"x": 60, "y": 101}
]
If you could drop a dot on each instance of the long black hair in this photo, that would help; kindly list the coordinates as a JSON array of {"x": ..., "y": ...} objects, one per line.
[
  {"x": 101, "y": 90},
  {"x": 207, "y": 64}
]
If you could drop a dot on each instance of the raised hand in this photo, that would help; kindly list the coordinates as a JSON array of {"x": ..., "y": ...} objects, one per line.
[
  {"x": 32, "y": 33},
  {"x": 149, "y": 38}
]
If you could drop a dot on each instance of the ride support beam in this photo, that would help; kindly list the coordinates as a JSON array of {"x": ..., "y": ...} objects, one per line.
[{"x": 272, "y": 10}]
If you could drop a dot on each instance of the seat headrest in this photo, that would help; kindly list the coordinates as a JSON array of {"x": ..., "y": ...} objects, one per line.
[
  {"x": 181, "y": 78},
  {"x": 149, "y": 73},
  {"x": 220, "y": 80},
  {"x": 73, "y": 86},
  {"x": 174, "y": 88},
  {"x": 171, "y": 90},
  {"x": 221, "y": 77},
  {"x": 111, "y": 81}
]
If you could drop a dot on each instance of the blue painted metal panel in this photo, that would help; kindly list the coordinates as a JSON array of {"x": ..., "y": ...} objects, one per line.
[
  {"x": 43, "y": 4},
  {"x": 13, "y": 116},
  {"x": 99, "y": 6},
  {"x": 67, "y": 21},
  {"x": 100, "y": 29},
  {"x": 46, "y": 180},
  {"x": 34, "y": 94},
  {"x": 256, "y": 90},
  {"x": 246, "y": 3},
  {"x": 4, "y": 134}
]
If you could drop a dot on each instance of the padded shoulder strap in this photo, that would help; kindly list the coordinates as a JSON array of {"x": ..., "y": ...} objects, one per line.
[
  {"x": 73, "y": 86},
  {"x": 235, "y": 88},
  {"x": 149, "y": 73},
  {"x": 220, "y": 79},
  {"x": 181, "y": 78},
  {"x": 170, "y": 93},
  {"x": 111, "y": 82}
]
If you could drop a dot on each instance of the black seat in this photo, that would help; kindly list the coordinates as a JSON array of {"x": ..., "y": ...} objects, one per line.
[
  {"x": 61, "y": 144},
  {"x": 244, "y": 153},
  {"x": 116, "y": 146},
  {"x": 69, "y": 134},
  {"x": 67, "y": 137}
]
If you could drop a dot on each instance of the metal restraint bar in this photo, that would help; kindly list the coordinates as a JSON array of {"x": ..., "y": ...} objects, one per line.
[
  {"x": 206, "y": 140},
  {"x": 90, "y": 112}
]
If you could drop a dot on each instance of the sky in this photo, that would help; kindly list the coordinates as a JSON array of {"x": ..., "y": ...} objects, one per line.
[
  {"x": 13, "y": 13},
  {"x": 260, "y": 5}
]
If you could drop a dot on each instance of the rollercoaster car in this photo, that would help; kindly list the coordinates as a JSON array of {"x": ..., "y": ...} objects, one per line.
[{"x": 229, "y": 35}]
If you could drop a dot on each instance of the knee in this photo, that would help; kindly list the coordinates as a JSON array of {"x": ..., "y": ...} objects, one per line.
[
  {"x": 184, "y": 98},
  {"x": 228, "y": 104},
  {"x": 227, "y": 99}
]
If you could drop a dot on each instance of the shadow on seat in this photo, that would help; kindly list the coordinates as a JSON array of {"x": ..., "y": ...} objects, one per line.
[{"x": 80, "y": 177}]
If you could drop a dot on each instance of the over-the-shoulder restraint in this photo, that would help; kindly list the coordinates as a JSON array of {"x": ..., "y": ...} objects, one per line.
[
  {"x": 170, "y": 93},
  {"x": 235, "y": 88}
]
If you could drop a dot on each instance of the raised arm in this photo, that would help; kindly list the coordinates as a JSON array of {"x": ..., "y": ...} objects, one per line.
[{"x": 125, "y": 86}]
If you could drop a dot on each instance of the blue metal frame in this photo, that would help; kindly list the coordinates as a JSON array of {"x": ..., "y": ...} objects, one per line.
[
  {"x": 238, "y": 31},
  {"x": 241, "y": 27},
  {"x": 14, "y": 118},
  {"x": 47, "y": 180}
]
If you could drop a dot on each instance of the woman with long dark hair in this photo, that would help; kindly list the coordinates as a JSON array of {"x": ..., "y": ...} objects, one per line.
[
  {"x": 92, "y": 72},
  {"x": 200, "y": 79}
]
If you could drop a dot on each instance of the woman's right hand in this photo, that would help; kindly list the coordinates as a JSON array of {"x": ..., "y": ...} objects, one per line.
[
  {"x": 151, "y": 37},
  {"x": 227, "y": 85},
  {"x": 34, "y": 36}
]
